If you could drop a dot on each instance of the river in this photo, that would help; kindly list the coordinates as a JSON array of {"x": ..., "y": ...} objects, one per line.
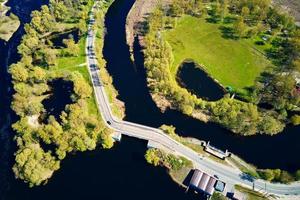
[
  {"x": 122, "y": 172},
  {"x": 278, "y": 151}
]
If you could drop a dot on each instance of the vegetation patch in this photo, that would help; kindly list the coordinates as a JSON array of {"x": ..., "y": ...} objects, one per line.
[
  {"x": 234, "y": 63},
  {"x": 117, "y": 106},
  {"x": 184, "y": 30},
  {"x": 80, "y": 127},
  {"x": 252, "y": 195},
  {"x": 178, "y": 166}
]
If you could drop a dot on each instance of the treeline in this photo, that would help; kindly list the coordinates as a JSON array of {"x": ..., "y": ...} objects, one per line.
[
  {"x": 240, "y": 117},
  {"x": 76, "y": 129},
  {"x": 277, "y": 86},
  {"x": 272, "y": 175},
  {"x": 158, "y": 157}
]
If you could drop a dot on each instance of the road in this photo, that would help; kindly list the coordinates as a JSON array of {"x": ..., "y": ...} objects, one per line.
[{"x": 225, "y": 173}]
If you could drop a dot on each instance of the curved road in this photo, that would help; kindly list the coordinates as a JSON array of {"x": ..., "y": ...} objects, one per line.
[{"x": 228, "y": 175}]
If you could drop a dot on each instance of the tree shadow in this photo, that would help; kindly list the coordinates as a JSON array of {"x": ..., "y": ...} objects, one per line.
[
  {"x": 229, "y": 20},
  {"x": 228, "y": 33}
]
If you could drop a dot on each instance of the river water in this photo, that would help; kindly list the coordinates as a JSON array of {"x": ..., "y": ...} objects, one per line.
[
  {"x": 122, "y": 172},
  {"x": 278, "y": 151}
]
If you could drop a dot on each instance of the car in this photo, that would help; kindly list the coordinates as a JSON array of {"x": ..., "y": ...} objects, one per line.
[{"x": 108, "y": 122}]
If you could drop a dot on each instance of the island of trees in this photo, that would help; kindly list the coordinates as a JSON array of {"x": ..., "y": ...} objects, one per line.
[
  {"x": 43, "y": 140},
  {"x": 253, "y": 52}
]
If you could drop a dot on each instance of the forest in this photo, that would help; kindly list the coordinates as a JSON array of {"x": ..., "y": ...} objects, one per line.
[
  {"x": 247, "y": 19},
  {"x": 43, "y": 140}
]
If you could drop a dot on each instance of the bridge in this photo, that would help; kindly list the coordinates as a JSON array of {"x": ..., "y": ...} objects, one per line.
[{"x": 225, "y": 173}]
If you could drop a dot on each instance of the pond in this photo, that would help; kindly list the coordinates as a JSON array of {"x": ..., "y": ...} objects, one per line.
[
  {"x": 57, "y": 39},
  {"x": 129, "y": 78},
  {"x": 194, "y": 79},
  {"x": 59, "y": 97}
]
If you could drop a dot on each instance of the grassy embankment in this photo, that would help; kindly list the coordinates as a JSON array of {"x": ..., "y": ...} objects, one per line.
[
  {"x": 117, "y": 106},
  {"x": 235, "y": 63},
  {"x": 250, "y": 194},
  {"x": 8, "y": 24},
  {"x": 178, "y": 167},
  {"x": 78, "y": 64}
]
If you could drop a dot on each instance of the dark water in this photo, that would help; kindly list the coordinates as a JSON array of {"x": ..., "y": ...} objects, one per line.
[
  {"x": 57, "y": 39},
  {"x": 198, "y": 82},
  {"x": 8, "y": 55},
  {"x": 122, "y": 173},
  {"x": 279, "y": 151},
  {"x": 59, "y": 97},
  {"x": 119, "y": 173}
]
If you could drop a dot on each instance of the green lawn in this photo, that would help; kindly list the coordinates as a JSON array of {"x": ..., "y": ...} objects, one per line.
[
  {"x": 78, "y": 63},
  {"x": 232, "y": 62}
]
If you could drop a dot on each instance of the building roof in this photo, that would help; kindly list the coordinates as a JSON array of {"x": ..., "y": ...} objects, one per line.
[
  {"x": 203, "y": 182},
  {"x": 220, "y": 186}
]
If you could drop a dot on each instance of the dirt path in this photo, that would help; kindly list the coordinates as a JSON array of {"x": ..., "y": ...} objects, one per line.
[{"x": 137, "y": 17}]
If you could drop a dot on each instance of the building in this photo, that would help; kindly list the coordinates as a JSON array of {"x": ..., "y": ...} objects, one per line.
[{"x": 202, "y": 182}]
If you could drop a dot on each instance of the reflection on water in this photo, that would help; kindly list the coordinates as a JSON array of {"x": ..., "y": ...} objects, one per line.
[
  {"x": 198, "y": 82},
  {"x": 59, "y": 97}
]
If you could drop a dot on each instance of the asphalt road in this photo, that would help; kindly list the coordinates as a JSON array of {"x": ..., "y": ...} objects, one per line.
[{"x": 229, "y": 175}]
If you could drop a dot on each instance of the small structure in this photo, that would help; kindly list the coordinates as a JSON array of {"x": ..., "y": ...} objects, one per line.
[
  {"x": 216, "y": 152},
  {"x": 203, "y": 183},
  {"x": 220, "y": 186},
  {"x": 117, "y": 136}
]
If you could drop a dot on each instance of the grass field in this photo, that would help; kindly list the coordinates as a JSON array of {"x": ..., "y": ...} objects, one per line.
[
  {"x": 78, "y": 63},
  {"x": 235, "y": 63}
]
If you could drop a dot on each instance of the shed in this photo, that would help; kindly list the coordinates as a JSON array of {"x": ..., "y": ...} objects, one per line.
[{"x": 203, "y": 182}]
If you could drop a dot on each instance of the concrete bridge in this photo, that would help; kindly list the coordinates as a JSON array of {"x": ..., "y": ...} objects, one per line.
[{"x": 158, "y": 138}]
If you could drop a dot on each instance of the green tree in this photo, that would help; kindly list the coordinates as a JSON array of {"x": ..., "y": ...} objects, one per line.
[
  {"x": 295, "y": 120},
  {"x": 152, "y": 157},
  {"x": 240, "y": 27},
  {"x": 72, "y": 49},
  {"x": 19, "y": 72}
]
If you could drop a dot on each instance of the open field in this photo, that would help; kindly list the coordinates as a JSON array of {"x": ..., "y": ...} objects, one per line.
[
  {"x": 235, "y": 63},
  {"x": 72, "y": 64},
  {"x": 8, "y": 26}
]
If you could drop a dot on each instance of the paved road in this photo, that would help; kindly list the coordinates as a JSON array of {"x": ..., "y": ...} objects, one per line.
[{"x": 225, "y": 173}]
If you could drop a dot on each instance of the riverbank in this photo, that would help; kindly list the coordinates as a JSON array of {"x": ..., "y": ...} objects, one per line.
[
  {"x": 60, "y": 120},
  {"x": 162, "y": 51},
  {"x": 233, "y": 161},
  {"x": 117, "y": 106}
]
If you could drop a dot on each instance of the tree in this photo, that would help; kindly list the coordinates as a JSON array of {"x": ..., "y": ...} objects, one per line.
[
  {"x": 59, "y": 10},
  {"x": 18, "y": 72},
  {"x": 245, "y": 12},
  {"x": 270, "y": 125},
  {"x": 81, "y": 88},
  {"x": 72, "y": 49},
  {"x": 267, "y": 174},
  {"x": 152, "y": 157},
  {"x": 240, "y": 27},
  {"x": 42, "y": 21},
  {"x": 33, "y": 165},
  {"x": 82, "y": 26},
  {"x": 295, "y": 120},
  {"x": 49, "y": 57},
  {"x": 224, "y": 9}
]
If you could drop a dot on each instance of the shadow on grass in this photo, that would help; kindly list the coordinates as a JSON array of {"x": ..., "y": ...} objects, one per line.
[
  {"x": 228, "y": 33},
  {"x": 229, "y": 20}
]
